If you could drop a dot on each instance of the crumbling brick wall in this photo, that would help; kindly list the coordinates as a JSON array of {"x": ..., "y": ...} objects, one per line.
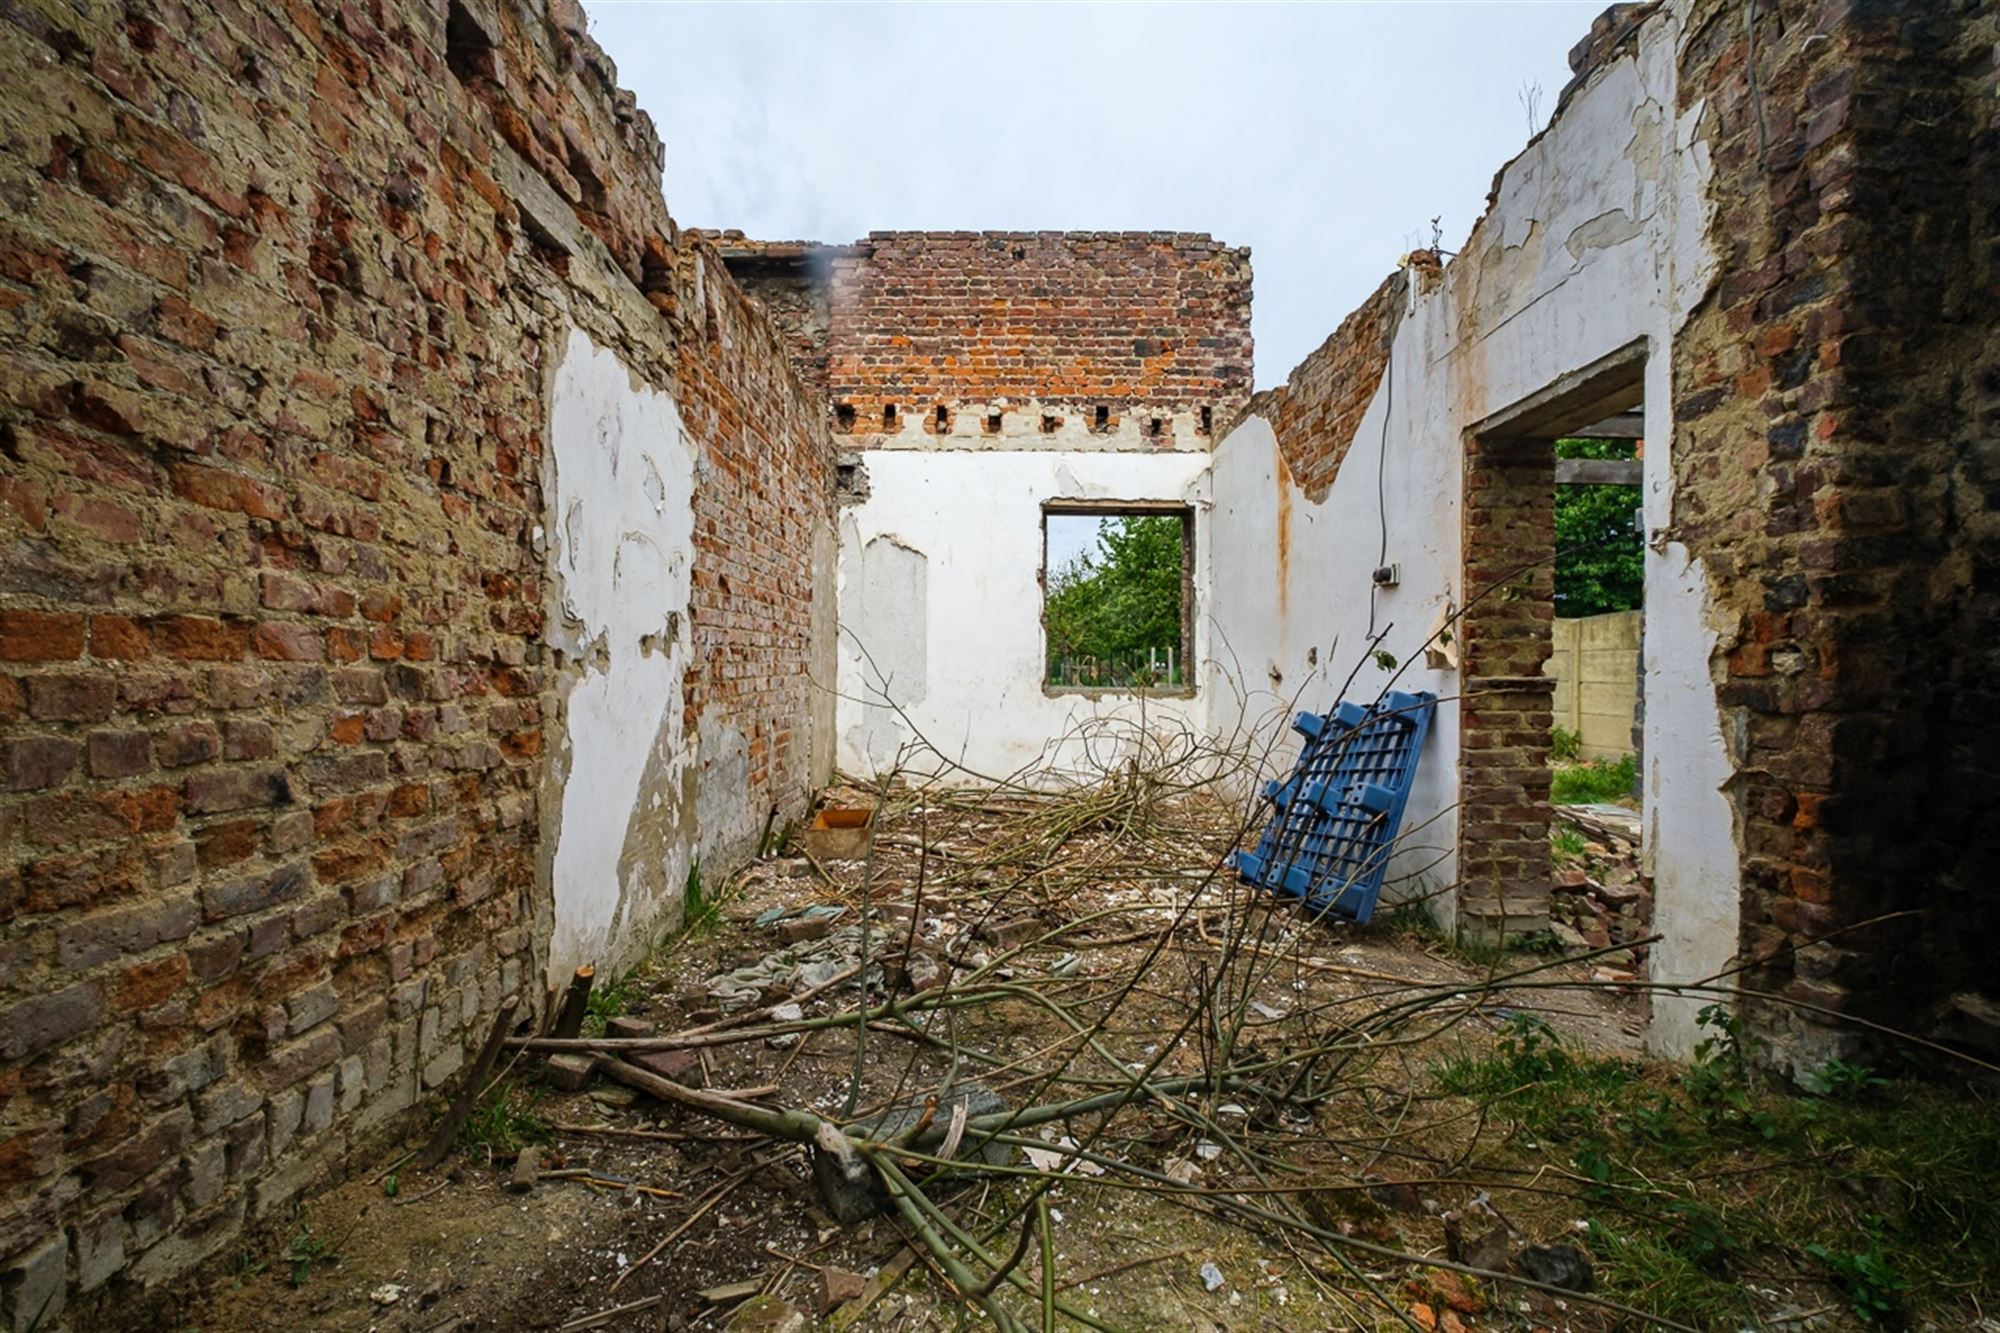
[
  {"x": 1136, "y": 338},
  {"x": 1834, "y": 404},
  {"x": 280, "y": 288},
  {"x": 792, "y": 280},
  {"x": 1315, "y": 413}
]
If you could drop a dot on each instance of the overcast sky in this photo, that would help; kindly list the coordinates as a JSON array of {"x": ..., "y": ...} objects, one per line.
[{"x": 1324, "y": 137}]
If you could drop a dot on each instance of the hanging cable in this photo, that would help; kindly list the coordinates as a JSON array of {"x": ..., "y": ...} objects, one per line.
[{"x": 1381, "y": 471}]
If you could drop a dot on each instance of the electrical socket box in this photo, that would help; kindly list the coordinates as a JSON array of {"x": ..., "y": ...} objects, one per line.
[{"x": 1389, "y": 575}]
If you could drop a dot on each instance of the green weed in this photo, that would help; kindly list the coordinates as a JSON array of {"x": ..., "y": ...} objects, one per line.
[
  {"x": 504, "y": 1121},
  {"x": 1593, "y": 781},
  {"x": 1415, "y": 919},
  {"x": 1693, "y": 1180},
  {"x": 1873, "y": 1286},
  {"x": 1565, "y": 746},
  {"x": 1566, "y": 844},
  {"x": 605, "y": 1003},
  {"x": 700, "y": 914},
  {"x": 1840, "y": 1081},
  {"x": 307, "y": 1252}
]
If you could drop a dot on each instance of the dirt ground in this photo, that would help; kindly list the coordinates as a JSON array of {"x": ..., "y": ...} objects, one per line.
[{"x": 650, "y": 1216}]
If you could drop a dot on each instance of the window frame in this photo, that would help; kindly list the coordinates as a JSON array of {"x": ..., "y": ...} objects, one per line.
[{"x": 1093, "y": 508}]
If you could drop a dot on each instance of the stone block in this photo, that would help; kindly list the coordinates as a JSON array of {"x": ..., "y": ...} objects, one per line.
[{"x": 33, "y": 1287}]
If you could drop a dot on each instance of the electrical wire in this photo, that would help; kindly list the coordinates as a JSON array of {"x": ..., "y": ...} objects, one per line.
[{"x": 1381, "y": 473}]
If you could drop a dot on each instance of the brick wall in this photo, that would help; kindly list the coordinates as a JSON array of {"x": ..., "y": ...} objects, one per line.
[
  {"x": 763, "y": 572},
  {"x": 1314, "y": 414},
  {"x": 792, "y": 280},
  {"x": 280, "y": 286},
  {"x": 1506, "y": 706},
  {"x": 1141, "y": 339},
  {"x": 1835, "y": 402}
]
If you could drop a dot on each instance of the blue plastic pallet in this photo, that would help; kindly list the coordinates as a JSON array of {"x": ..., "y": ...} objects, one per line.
[{"x": 1338, "y": 813}]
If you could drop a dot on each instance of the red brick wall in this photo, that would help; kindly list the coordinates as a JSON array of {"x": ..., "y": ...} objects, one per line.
[
  {"x": 1505, "y": 706},
  {"x": 1315, "y": 413},
  {"x": 1075, "y": 320},
  {"x": 1835, "y": 405},
  {"x": 767, "y": 491},
  {"x": 274, "y": 704}
]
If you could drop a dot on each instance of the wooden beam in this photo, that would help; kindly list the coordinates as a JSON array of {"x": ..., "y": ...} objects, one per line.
[
  {"x": 1624, "y": 426},
  {"x": 1598, "y": 471}
]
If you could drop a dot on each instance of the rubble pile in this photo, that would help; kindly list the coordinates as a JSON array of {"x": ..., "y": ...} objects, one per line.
[{"x": 1602, "y": 899}]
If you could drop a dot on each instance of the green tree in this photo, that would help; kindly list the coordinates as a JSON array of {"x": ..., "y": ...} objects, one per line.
[
  {"x": 1122, "y": 600},
  {"x": 1600, "y": 556}
]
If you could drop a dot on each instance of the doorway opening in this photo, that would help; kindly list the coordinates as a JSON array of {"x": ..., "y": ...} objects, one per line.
[{"x": 1546, "y": 531}]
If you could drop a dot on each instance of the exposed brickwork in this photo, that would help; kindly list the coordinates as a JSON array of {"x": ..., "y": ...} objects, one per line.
[
  {"x": 1135, "y": 323},
  {"x": 767, "y": 490},
  {"x": 1835, "y": 402},
  {"x": 1505, "y": 712},
  {"x": 793, "y": 281},
  {"x": 275, "y": 322},
  {"x": 1315, "y": 414}
]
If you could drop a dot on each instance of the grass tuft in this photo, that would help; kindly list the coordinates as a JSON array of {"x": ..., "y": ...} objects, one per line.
[
  {"x": 1593, "y": 781},
  {"x": 504, "y": 1121},
  {"x": 1692, "y": 1182}
]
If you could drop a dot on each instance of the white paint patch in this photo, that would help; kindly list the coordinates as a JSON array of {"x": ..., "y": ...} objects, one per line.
[
  {"x": 966, "y": 527},
  {"x": 1697, "y": 902},
  {"x": 622, "y": 488}
]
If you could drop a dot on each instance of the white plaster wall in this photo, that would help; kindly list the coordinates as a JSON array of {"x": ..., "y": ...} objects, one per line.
[
  {"x": 1598, "y": 237},
  {"x": 1292, "y": 618},
  {"x": 620, "y": 474},
  {"x": 941, "y": 605},
  {"x": 1691, "y": 830}
]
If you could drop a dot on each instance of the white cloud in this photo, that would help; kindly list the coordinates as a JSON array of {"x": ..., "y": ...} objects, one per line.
[{"x": 1324, "y": 137}]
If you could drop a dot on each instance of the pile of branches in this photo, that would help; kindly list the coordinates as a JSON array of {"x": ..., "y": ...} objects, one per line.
[
  {"x": 1127, "y": 848},
  {"x": 1249, "y": 1089}
]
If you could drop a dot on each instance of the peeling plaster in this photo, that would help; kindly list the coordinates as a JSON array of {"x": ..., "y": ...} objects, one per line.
[
  {"x": 620, "y": 477},
  {"x": 885, "y": 619},
  {"x": 1621, "y": 185}
]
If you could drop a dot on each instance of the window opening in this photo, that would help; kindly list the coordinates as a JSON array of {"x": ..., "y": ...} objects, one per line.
[{"x": 1117, "y": 595}]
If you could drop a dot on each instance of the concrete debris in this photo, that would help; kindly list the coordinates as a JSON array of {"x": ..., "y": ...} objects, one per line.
[
  {"x": 1010, "y": 934},
  {"x": 682, "y": 1067},
  {"x": 766, "y": 1314},
  {"x": 624, "y": 1026},
  {"x": 1599, "y": 899},
  {"x": 853, "y": 1192}
]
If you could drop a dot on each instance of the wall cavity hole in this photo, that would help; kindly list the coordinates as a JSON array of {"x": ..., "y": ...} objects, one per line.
[
  {"x": 943, "y": 419},
  {"x": 1050, "y": 425},
  {"x": 1103, "y": 418},
  {"x": 1207, "y": 420},
  {"x": 468, "y": 46},
  {"x": 888, "y": 416},
  {"x": 1157, "y": 427},
  {"x": 992, "y": 423},
  {"x": 843, "y": 417}
]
